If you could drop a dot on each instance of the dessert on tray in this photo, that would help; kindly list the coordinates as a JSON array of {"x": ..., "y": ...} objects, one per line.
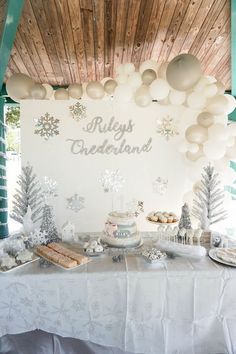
[
  {"x": 121, "y": 230},
  {"x": 162, "y": 217},
  {"x": 61, "y": 255},
  {"x": 227, "y": 255}
]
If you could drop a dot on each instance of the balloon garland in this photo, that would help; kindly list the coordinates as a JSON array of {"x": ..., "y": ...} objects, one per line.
[{"x": 179, "y": 82}]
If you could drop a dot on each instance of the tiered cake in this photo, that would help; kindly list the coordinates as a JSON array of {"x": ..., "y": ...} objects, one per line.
[{"x": 121, "y": 230}]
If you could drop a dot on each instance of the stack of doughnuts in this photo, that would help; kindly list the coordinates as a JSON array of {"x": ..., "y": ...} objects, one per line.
[{"x": 162, "y": 217}]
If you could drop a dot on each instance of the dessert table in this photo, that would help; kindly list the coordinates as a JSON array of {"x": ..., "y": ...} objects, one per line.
[{"x": 177, "y": 306}]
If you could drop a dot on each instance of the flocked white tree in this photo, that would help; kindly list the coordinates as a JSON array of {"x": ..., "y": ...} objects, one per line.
[
  {"x": 185, "y": 221},
  {"x": 208, "y": 203},
  {"x": 28, "y": 194}
]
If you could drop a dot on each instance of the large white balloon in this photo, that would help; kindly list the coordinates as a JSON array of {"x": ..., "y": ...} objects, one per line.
[
  {"x": 183, "y": 72},
  {"x": 217, "y": 105},
  {"x": 75, "y": 91},
  {"x": 159, "y": 89},
  {"x": 18, "y": 86},
  {"x": 38, "y": 92},
  {"x": 201, "y": 84},
  {"x": 135, "y": 80},
  {"x": 220, "y": 88},
  {"x": 123, "y": 93},
  {"x": 61, "y": 94},
  {"x": 142, "y": 96},
  {"x": 222, "y": 119},
  {"x": 196, "y": 134},
  {"x": 218, "y": 132},
  {"x": 49, "y": 91},
  {"x": 95, "y": 90},
  {"x": 148, "y": 64},
  {"x": 213, "y": 150},
  {"x": 129, "y": 68},
  {"x": 121, "y": 79},
  {"x": 231, "y": 103},
  {"x": 210, "y": 90},
  {"x": 196, "y": 100},
  {"x": 177, "y": 97}
]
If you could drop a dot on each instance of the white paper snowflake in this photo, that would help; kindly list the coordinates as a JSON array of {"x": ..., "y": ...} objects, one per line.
[
  {"x": 111, "y": 181},
  {"x": 160, "y": 185},
  {"x": 78, "y": 111},
  {"x": 37, "y": 238},
  {"x": 75, "y": 203},
  {"x": 49, "y": 188},
  {"x": 47, "y": 126},
  {"x": 167, "y": 127}
]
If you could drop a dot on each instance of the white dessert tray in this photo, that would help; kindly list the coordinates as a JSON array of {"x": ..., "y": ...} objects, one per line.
[
  {"x": 35, "y": 258},
  {"x": 212, "y": 255},
  {"x": 59, "y": 265}
]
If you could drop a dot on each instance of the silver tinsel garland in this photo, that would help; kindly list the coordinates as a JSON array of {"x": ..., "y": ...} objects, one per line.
[
  {"x": 28, "y": 194},
  {"x": 208, "y": 203}
]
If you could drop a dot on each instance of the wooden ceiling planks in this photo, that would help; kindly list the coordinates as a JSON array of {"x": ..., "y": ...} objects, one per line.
[{"x": 65, "y": 41}]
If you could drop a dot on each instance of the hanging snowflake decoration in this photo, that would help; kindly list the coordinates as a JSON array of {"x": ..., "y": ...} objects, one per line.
[
  {"x": 37, "y": 238},
  {"x": 78, "y": 111},
  {"x": 111, "y": 181},
  {"x": 75, "y": 203},
  {"x": 47, "y": 126},
  {"x": 160, "y": 186},
  {"x": 167, "y": 127},
  {"x": 49, "y": 188}
]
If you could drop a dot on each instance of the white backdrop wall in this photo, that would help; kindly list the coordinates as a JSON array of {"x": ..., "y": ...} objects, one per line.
[{"x": 77, "y": 173}]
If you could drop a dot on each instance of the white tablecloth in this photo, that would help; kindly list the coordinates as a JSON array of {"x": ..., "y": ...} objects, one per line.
[{"x": 179, "y": 306}]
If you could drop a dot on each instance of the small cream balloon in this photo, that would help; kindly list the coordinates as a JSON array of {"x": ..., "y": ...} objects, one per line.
[
  {"x": 231, "y": 103},
  {"x": 194, "y": 156},
  {"x": 205, "y": 119},
  {"x": 135, "y": 80},
  {"x": 193, "y": 148},
  {"x": 142, "y": 96},
  {"x": 38, "y": 92},
  {"x": 148, "y": 76},
  {"x": 95, "y": 90},
  {"x": 159, "y": 89},
  {"x": 196, "y": 100},
  {"x": 49, "y": 91},
  {"x": 231, "y": 151},
  {"x": 123, "y": 93},
  {"x": 19, "y": 85},
  {"x": 183, "y": 72},
  {"x": 162, "y": 70},
  {"x": 121, "y": 79},
  {"x": 210, "y": 90},
  {"x": 218, "y": 132},
  {"x": 61, "y": 94},
  {"x": 196, "y": 134},
  {"x": 148, "y": 64},
  {"x": 129, "y": 68},
  {"x": 110, "y": 86},
  {"x": 75, "y": 91}
]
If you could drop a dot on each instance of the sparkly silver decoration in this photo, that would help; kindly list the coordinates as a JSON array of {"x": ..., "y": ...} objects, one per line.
[
  {"x": 49, "y": 188},
  {"x": 75, "y": 203},
  {"x": 135, "y": 207},
  {"x": 37, "y": 238},
  {"x": 160, "y": 186},
  {"x": 78, "y": 111},
  {"x": 139, "y": 209},
  {"x": 47, "y": 126},
  {"x": 167, "y": 127},
  {"x": 111, "y": 181}
]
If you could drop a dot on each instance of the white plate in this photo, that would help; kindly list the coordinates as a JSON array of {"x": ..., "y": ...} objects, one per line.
[
  {"x": 212, "y": 255},
  {"x": 35, "y": 258},
  {"x": 60, "y": 266}
]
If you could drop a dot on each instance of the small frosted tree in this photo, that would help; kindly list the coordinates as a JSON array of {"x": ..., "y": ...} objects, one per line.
[
  {"x": 208, "y": 201},
  {"x": 185, "y": 221},
  {"x": 28, "y": 194},
  {"x": 48, "y": 225}
]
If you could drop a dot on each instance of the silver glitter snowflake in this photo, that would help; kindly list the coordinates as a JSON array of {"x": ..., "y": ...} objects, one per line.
[
  {"x": 75, "y": 203},
  {"x": 78, "y": 111},
  {"x": 47, "y": 126},
  {"x": 111, "y": 181},
  {"x": 49, "y": 188},
  {"x": 37, "y": 238},
  {"x": 160, "y": 186},
  {"x": 167, "y": 127}
]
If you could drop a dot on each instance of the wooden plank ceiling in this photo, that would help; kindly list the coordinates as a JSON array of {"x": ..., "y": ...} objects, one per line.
[{"x": 65, "y": 41}]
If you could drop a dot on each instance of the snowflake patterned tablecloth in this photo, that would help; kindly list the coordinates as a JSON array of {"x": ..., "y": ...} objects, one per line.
[{"x": 138, "y": 307}]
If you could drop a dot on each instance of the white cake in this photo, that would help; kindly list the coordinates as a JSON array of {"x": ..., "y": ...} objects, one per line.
[{"x": 121, "y": 230}]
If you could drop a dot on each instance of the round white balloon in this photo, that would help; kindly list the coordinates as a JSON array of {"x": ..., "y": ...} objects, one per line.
[
  {"x": 129, "y": 68},
  {"x": 121, "y": 79},
  {"x": 142, "y": 96},
  {"x": 159, "y": 89},
  {"x": 213, "y": 150},
  {"x": 210, "y": 90},
  {"x": 196, "y": 100},
  {"x": 177, "y": 97},
  {"x": 18, "y": 86},
  {"x": 135, "y": 80},
  {"x": 162, "y": 70},
  {"x": 38, "y": 92},
  {"x": 75, "y": 91},
  {"x": 49, "y": 91},
  {"x": 61, "y": 94},
  {"x": 123, "y": 92},
  {"x": 95, "y": 90},
  {"x": 217, "y": 105},
  {"x": 193, "y": 148},
  {"x": 231, "y": 103},
  {"x": 148, "y": 64},
  {"x": 218, "y": 132}
]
